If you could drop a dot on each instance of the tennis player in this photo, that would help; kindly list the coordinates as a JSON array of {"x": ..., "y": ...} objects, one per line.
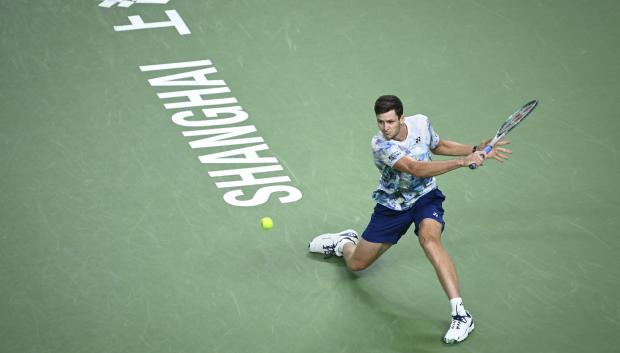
[{"x": 408, "y": 193}]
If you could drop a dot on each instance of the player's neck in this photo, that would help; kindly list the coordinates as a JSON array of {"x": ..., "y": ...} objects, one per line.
[{"x": 403, "y": 133}]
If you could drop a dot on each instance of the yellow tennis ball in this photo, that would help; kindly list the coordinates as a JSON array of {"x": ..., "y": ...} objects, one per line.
[{"x": 266, "y": 223}]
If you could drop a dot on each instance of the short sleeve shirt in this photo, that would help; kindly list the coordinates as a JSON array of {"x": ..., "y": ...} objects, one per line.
[{"x": 398, "y": 190}]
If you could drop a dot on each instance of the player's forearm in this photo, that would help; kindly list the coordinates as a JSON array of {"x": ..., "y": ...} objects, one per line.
[
  {"x": 427, "y": 169},
  {"x": 452, "y": 148}
]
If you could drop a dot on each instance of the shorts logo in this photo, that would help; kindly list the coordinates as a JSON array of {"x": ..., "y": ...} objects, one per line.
[{"x": 435, "y": 214}]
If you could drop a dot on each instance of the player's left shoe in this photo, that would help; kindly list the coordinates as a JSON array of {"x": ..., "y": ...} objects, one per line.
[
  {"x": 460, "y": 328},
  {"x": 330, "y": 244}
]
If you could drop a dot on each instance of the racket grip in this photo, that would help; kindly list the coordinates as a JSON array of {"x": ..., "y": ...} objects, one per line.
[{"x": 487, "y": 149}]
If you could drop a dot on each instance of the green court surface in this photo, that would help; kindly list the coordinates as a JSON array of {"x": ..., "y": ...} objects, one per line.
[{"x": 116, "y": 237}]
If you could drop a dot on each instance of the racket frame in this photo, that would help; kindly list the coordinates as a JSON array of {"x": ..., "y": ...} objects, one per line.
[{"x": 525, "y": 110}]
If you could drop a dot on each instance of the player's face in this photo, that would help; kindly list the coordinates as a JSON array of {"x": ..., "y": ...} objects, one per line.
[{"x": 389, "y": 124}]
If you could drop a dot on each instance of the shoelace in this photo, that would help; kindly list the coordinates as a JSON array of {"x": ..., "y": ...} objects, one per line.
[
  {"x": 457, "y": 320},
  {"x": 329, "y": 250}
]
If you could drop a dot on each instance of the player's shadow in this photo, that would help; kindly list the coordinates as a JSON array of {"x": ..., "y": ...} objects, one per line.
[
  {"x": 334, "y": 260},
  {"x": 420, "y": 332}
]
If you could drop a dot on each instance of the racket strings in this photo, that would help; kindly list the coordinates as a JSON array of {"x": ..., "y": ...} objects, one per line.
[{"x": 516, "y": 118}]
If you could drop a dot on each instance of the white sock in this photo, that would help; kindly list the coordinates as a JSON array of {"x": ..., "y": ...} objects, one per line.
[
  {"x": 340, "y": 247},
  {"x": 457, "y": 307}
]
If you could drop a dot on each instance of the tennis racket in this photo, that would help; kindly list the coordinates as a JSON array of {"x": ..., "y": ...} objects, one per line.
[{"x": 508, "y": 125}]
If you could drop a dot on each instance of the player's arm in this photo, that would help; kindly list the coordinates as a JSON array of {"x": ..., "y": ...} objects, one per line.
[
  {"x": 451, "y": 148},
  {"x": 427, "y": 169}
]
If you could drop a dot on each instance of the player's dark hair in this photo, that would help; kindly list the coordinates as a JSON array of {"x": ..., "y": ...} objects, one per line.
[{"x": 386, "y": 103}]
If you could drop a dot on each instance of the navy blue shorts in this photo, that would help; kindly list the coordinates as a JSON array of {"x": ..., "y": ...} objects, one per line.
[{"x": 387, "y": 225}]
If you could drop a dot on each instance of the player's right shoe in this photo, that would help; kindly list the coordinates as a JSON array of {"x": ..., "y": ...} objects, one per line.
[
  {"x": 460, "y": 328},
  {"x": 330, "y": 244}
]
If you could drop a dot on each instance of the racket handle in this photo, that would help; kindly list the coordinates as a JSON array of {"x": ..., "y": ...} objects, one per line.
[
  {"x": 473, "y": 166},
  {"x": 487, "y": 149}
]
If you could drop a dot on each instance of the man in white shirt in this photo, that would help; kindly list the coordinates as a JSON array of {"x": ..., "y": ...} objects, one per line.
[{"x": 408, "y": 194}]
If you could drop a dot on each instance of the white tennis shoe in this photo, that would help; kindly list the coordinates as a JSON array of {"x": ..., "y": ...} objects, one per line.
[
  {"x": 330, "y": 244},
  {"x": 460, "y": 328}
]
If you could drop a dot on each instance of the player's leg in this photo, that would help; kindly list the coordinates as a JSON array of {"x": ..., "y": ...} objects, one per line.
[
  {"x": 428, "y": 215},
  {"x": 359, "y": 257},
  {"x": 429, "y": 236},
  {"x": 358, "y": 254},
  {"x": 384, "y": 229}
]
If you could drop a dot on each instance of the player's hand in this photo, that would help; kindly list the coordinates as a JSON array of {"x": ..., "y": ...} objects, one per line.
[
  {"x": 500, "y": 153},
  {"x": 475, "y": 158},
  {"x": 483, "y": 144}
]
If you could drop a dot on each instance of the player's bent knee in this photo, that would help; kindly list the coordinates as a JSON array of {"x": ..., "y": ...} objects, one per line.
[
  {"x": 429, "y": 242},
  {"x": 430, "y": 232},
  {"x": 427, "y": 239},
  {"x": 357, "y": 265},
  {"x": 429, "y": 225}
]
